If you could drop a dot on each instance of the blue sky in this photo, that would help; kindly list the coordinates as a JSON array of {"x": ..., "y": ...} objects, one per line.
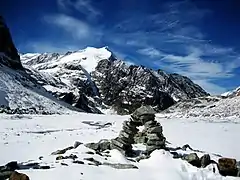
[{"x": 196, "y": 38}]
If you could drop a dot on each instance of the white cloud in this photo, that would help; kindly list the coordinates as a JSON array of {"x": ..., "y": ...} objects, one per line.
[
  {"x": 75, "y": 27},
  {"x": 211, "y": 87},
  {"x": 152, "y": 52},
  {"x": 83, "y": 6}
]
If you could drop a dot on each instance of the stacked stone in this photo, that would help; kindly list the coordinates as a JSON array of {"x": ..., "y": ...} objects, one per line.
[
  {"x": 126, "y": 138},
  {"x": 152, "y": 129},
  {"x": 144, "y": 115}
]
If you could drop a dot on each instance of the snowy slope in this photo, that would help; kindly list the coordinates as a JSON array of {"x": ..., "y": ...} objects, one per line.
[
  {"x": 205, "y": 107},
  {"x": 19, "y": 91},
  {"x": 26, "y": 138},
  {"x": 88, "y": 58}
]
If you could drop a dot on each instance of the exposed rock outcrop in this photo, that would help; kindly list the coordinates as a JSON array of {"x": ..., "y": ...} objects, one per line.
[{"x": 8, "y": 52}]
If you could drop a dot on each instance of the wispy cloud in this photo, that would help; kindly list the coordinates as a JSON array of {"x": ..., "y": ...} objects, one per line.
[
  {"x": 173, "y": 41},
  {"x": 74, "y": 27},
  {"x": 77, "y": 28},
  {"x": 83, "y": 6}
]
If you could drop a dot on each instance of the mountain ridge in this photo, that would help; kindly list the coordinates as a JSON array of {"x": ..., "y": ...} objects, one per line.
[{"x": 89, "y": 67}]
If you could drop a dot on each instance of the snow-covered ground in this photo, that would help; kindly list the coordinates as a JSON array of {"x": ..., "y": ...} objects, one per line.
[{"x": 26, "y": 138}]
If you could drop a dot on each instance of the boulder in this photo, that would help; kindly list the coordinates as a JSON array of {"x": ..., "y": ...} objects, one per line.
[
  {"x": 156, "y": 129},
  {"x": 76, "y": 144},
  {"x": 205, "y": 160},
  {"x": 78, "y": 162},
  {"x": 227, "y": 167},
  {"x": 143, "y": 110},
  {"x": 193, "y": 159},
  {"x": 18, "y": 176},
  {"x": 95, "y": 162},
  {"x": 120, "y": 166},
  {"x": 101, "y": 146},
  {"x": 5, "y": 175},
  {"x": 62, "y": 151}
]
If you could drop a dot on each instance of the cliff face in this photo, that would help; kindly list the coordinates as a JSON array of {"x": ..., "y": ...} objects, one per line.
[{"x": 8, "y": 52}]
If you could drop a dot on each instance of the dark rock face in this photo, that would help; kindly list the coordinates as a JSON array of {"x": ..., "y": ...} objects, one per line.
[
  {"x": 8, "y": 52},
  {"x": 126, "y": 88}
]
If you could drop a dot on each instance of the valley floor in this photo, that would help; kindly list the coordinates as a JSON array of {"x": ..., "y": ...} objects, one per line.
[{"x": 26, "y": 138}]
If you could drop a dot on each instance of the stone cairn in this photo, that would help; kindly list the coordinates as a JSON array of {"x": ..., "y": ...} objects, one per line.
[{"x": 152, "y": 131}]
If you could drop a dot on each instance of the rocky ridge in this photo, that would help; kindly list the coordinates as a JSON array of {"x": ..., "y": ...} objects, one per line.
[
  {"x": 207, "y": 107},
  {"x": 94, "y": 79}
]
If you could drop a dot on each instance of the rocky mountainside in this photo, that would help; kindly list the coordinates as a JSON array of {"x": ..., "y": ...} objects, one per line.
[
  {"x": 127, "y": 87},
  {"x": 19, "y": 91},
  {"x": 94, "y": 79},
  {"x": 8, "y": 52},
  {"x": 209, "y": 106}
]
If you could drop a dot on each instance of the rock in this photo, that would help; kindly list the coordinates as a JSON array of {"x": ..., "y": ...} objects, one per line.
[
  {"x": 64, "y": 164},
  {"x": 141, "y": 157},
  {"x": 205, "y": 160},
  {"x": 193, "y": 159},
  {"x": 159, "y": 144},
  {"x": 11, "y": 166},
  {"x": 44, "y": 167},
  {"x": 97, "y": 163},
  {"x": 62, "y": 151},
  {"x": 18, "y": 176},
  {"x": 176, "y": 155},
  {"x": 116, "y": 143},
  {"x": 94, "y": 146},
  {"x": 143, "y": 110},
  {"x": 5, "y": 175},
  {"x": 89, "y": 152},
  {"x": 76, "y": 144},
  {"x": 104, "y": 145},
  {"x": 7, "y": 47},
  {"x": 154, "y": 136},
  {"x": 120, "y": 166},
  {"x": 72, "y": 156},
  {"x": 101, "y": 146},
  {"x": 187, "y": 146},
  {"x": 78, "y": 162},
  {"x": 156, "y": 129},
  {"x": 125, "y": 135},
  {"x": 227, "y": 167},
  {"x": 140, "y": 138},
  {"x": 150, "y": 124},
  {"x": 238, "y": 167}
]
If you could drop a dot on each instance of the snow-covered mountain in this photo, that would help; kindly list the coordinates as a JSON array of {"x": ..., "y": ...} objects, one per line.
[
  {"x": 233, "y": 93},
  {"x": 93, "y": 79}
]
